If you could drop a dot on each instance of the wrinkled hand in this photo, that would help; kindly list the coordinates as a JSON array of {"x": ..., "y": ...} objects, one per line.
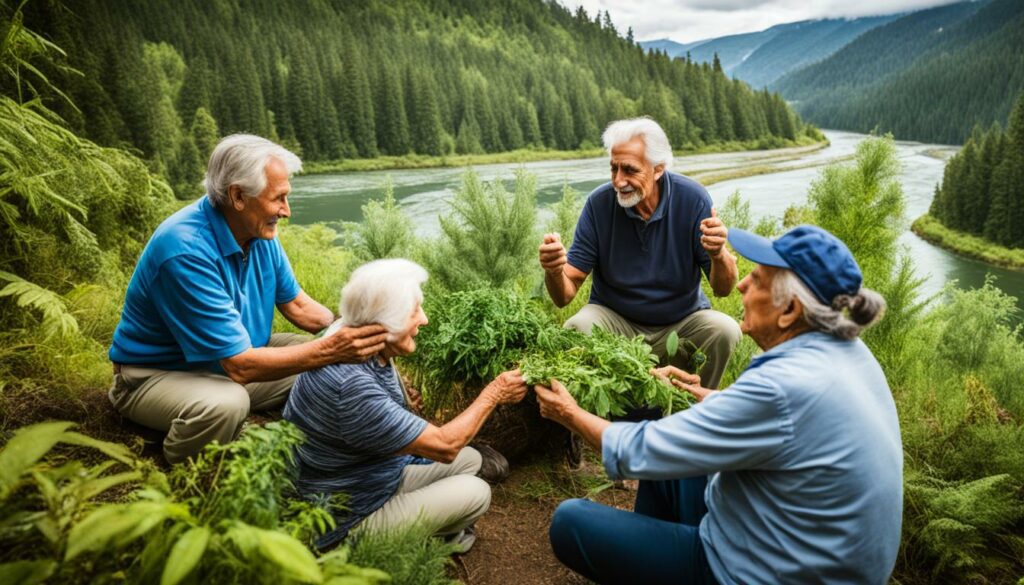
[
  {"x": 713, "y": 234},
  {"x": 682, "y": 380},
  {"x": 352, "y": 345},
  {"x": 508, "y": 388},
  {"x": 555, "y": 402},
  {"x": 552, "y": 253}
]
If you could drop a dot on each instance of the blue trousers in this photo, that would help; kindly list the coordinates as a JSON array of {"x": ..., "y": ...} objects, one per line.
[{"x": 655, "y": 543}]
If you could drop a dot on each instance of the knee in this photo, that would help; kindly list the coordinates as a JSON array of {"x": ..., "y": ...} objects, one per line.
[
  {"x": 468, "y": 461},
  {"x": 479, "y": 493},
  {"x": 228, "y": 405},
  {"x": 565, "y": 522},
  {"x": 726, "y": 333},
  {"x": 580, "y": 322}
]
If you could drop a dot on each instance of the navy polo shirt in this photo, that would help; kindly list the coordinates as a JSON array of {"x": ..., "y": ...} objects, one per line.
[
  {"x": 195, "y": 298},
  {"x": 646, "y": 271}
]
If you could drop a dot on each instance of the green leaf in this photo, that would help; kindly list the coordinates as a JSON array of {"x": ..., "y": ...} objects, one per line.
[
  {"x": 26, "y": 572},
  {"x": 672, "y": 344},
  {"x": 290, "y": 555},
  {"x": 185, "y": 555},
  {"x": 112, "y": 450},
  {"x": 25, "y": 448}
]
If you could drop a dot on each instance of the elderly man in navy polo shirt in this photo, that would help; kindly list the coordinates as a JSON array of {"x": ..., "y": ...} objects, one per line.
[
  {"x": 193, "y": 353},
  {"x": 647, "y": 236}
]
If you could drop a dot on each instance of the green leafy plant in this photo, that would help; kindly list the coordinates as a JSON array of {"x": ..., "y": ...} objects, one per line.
[{"x": 606, "y": 373}]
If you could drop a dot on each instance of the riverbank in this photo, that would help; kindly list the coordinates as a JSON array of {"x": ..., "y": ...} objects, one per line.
[
  {"x": 931, "y": 230},
  {"x": 419, "y": 161}
]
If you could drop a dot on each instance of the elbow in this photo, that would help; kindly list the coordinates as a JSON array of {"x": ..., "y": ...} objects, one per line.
[{"x": 238, "y": 373}]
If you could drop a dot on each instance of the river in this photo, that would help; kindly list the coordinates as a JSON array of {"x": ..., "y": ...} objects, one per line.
[{"x": 424, "y": 194}]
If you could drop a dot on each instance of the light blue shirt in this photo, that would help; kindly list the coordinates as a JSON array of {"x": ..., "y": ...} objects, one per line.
[
  {"x": 805, "y": 465},
  {"x": 195, "y": 298}
]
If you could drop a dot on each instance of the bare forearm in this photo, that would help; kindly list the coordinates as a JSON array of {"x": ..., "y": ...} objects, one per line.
[
  {"x": 307, "y": 314},
  {"x": 273, "y": 363},
  {"x": 444, "y": 443},
  {"x": 588, "y": 426},
  {"x": 560, "y": 287},
  {"x": 723, "y": 273}
]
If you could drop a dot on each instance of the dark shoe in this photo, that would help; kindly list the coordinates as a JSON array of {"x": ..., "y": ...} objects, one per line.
[
  {"x": 574, "y": 452},
  {"x": 494, "y": 466}
]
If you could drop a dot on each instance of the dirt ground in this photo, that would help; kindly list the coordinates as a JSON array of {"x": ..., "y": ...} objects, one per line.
[{"x": 512, "y": 538}]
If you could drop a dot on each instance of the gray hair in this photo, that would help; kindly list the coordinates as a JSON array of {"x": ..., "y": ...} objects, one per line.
[
  {"x": 241, "y": 159},
  {"x": 385, "y": 292},
  {"x": 862, "y": 310},
  {"x": 657, "y": 148}
]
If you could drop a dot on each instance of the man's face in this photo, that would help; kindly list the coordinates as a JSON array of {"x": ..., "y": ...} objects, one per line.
[
  {"x": 260, "y": 214},
  {"x": 760, "y": 315},
  {"x": 632, "y": 176}
]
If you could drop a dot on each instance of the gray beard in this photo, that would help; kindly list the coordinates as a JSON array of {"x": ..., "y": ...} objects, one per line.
[{"x": 630, "y": 200}]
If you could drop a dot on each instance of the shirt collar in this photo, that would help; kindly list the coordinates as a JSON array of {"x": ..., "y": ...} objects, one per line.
[
  {"x": 802, "y": 340},
  {"x": 221, "y": 232},
  {"x": 665, "y": 188}
]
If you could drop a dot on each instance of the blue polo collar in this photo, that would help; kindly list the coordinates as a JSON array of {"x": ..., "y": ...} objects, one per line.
[
  {"x": 221, "y": 232},
  {"x": 802, "y": 340},
  {"x": 665, "y": 188}
]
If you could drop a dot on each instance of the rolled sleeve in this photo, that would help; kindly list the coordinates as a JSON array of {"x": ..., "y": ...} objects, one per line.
[
  {"x": 189, "y": 293},
  {"x": 744, "y": 427}
]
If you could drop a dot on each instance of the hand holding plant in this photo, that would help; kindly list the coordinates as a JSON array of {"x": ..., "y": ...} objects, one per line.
[
  {"x": 552, "y": 253},
  {"x": 684, "y": 381},
  {"x": 556, "y": 403},
  {"x": 508, "y": 388}
]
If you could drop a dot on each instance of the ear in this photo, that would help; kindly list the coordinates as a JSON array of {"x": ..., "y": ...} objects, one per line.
[
  {"x": 659, "y": 171},
  {"x": 791, "y": 315},
  {"x": 236, "y": 198}
]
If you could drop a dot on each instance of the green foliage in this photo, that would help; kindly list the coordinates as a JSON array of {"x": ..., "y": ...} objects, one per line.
[
  {"x": 411, "y": 556},
  {"x": 735, "y": 213},
  {"x": 385, "y": 232},
  {"x": 320, "y": 265},
  {"x": 606, "y": 373},
  {"x": 490, "y": 237},
  {"x": 472, "y": 337},
  {"x": 566, "y": 212}
]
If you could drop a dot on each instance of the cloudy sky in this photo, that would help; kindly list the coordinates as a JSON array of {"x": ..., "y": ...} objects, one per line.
[{"x": 691, "y": 20}]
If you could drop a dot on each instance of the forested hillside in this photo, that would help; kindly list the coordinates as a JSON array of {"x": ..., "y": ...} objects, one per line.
[
  {"x": 337, "y": 79},
  {"x": 760, "y": 58},
  {"x": 982, "y": 191},
  {"x": 931, "y": 76}
]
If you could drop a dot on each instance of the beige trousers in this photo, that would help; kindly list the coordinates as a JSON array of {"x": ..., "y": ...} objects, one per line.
[
  {"x": 716, "y": 333},
  {"x": 445, "y": 497},
  {"x": 196, "y": 407}
]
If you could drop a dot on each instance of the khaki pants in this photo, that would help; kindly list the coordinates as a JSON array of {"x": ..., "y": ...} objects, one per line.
[
  {"x": 716, "y": 333},
  {"x": 445, "y": 497},
  {"x": 195, "y": 407}
]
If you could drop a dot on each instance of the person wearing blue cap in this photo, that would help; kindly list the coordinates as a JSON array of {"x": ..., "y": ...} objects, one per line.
[{"x": 793, "y": 474}]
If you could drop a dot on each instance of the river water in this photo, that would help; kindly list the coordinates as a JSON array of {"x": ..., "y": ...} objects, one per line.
[{"x": 424, "y": 194}]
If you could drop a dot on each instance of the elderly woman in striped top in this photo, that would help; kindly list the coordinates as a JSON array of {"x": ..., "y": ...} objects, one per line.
[{"x": 362, "y": 438}]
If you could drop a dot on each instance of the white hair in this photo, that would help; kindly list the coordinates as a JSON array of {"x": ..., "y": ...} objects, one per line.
[
  {"x": 382, "y": 291},
  {"x": 863, "y": 309},
  {"x": 241, "y": 159},
  {"x": 657, "y": 148}
]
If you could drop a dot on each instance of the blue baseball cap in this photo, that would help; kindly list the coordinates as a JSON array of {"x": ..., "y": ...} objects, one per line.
[{"x": 821, "y": 260}]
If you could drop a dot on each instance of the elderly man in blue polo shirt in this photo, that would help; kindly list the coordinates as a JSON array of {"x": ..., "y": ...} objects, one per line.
[
  {"x": 647, "y": 236},
  {"x": 193, "y": 352},
  {"x": 791, "y": 475}
]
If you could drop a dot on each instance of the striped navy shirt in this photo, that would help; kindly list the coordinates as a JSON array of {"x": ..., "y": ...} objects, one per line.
[{"x": 355, "y": 420}]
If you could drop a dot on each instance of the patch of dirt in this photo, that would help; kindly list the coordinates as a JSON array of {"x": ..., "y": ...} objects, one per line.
[{"x": 512, "y": 538}]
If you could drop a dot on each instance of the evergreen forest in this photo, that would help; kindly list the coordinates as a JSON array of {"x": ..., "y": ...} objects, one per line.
[
  {"x": 335, "y": 79},
  {"x": 929, "y": 76},
  {"x": 982, "y": 191}
]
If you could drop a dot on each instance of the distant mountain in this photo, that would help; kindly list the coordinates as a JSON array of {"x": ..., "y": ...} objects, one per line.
[
  {"x": 931, "y": 75},
  {"x": 759, "y": 58},
  {"x": 800, "y": 44}
]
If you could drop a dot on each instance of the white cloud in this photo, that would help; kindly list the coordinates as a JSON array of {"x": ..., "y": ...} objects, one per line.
[{"x": 692, "y": 20}]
